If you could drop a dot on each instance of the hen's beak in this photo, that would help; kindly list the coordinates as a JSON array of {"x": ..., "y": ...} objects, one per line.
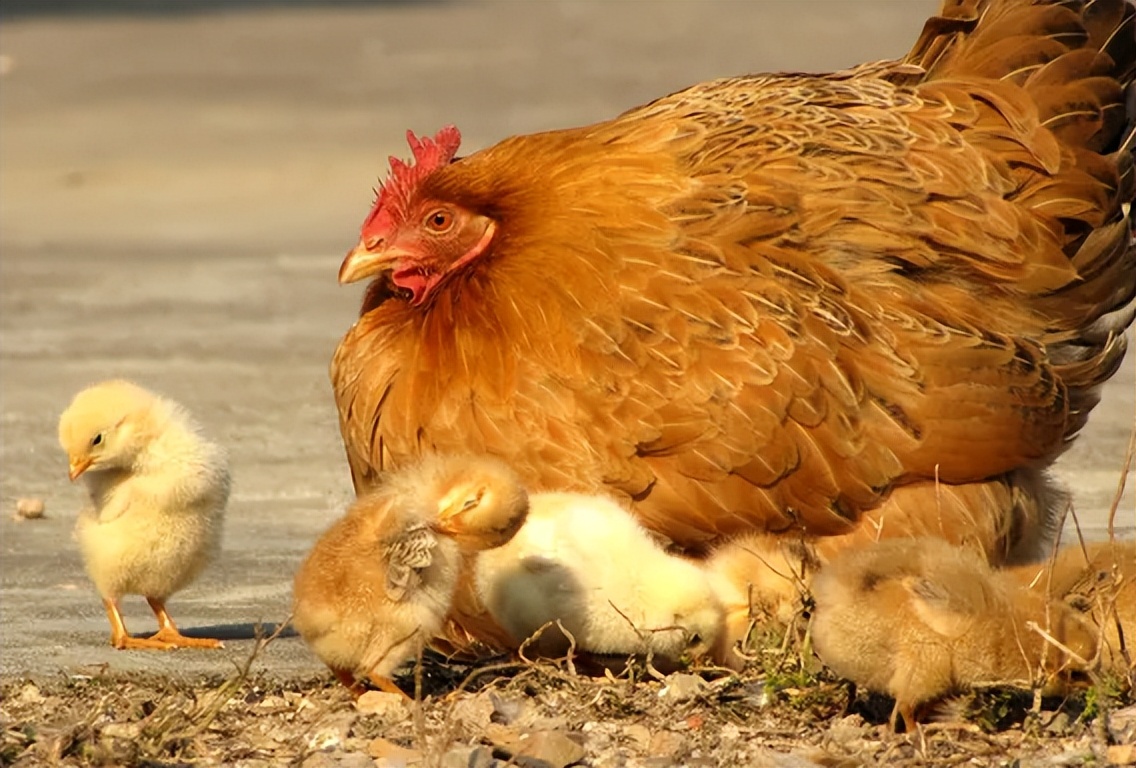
[
  {"x": 367, "y": 261},
  {"x": 79, "y": 467}
]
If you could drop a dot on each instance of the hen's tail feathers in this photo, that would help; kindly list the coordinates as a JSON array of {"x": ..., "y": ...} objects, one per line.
[{"x": 1076, "y": 61}]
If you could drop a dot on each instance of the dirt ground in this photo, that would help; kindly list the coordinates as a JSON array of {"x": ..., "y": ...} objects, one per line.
[{"x": 177, "y": 188}]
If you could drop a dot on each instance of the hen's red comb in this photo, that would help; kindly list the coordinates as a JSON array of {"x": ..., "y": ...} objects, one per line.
[{"x": 392, "y": 200}]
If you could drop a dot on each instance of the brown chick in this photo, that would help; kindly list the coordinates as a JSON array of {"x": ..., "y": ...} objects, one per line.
[
  {"x": 380, "y": 582},
  {"x": 158, "y": 491},
  {"x": 919, "y": 618},
  {"x": 760, "y": 579}
]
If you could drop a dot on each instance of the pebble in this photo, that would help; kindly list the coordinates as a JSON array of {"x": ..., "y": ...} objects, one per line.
[
  {"x": 470, "y": 757},
  {"x": 1122, "y": 754},
  {"x": 539, "y": 749},
  {"x": 1122, "y": 725},
  {"x": 387, "y": 753},
  {"x": 666, "y": 744},
  {"x": 29, "y": 509},
  {"x": 683, "y": 687},
  {"x": 388, "y": 707},
  {"x": 474, "y": 713}
]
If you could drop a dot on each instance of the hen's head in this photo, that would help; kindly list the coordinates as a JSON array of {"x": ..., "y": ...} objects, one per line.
[
  {"x": 105, "y": 427},
  {"x": 413, "y": 235}
]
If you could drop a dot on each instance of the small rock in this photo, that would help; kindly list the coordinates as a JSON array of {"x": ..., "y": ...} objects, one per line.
[
  {"x": 389, "y": 707},
  {"x": 666, "y": 744},
  {"x": 331, "y": 733},
  {"x": 392, "y": 753},
  {"x": 128, "y": 731},
  {"x": 638, "y": 735},
  {"x": 508, "y": 711},
  {"x": 474, "y": 713},
  {"x": 683, "y": 687},
  {"x": 29, "y": 509},
  {"x": 846, "y": 731},
  {"x": 320, "y": 760},
  {"x": 30, "y": 694},
  {"x": 1058, "y": 724},
  {"x": 359, "y": 760},
  {"x": 1122, "y": 754},
  {"x": 548, "y": 749},
  {"x": 469, "y": 757},
  {"x": 1122, "y": 725},
  {"x": 272, "y": 702}
]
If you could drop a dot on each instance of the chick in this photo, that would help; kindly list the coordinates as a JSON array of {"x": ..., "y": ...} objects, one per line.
[
  {"x": 1099, "y": 580},
  {"x": 761, "y": 580},
  {"x": 585, "y": 561},
  {"x": 158, "y": 491},
  {"x": 381, "y": 580},
  {"x": 919, "y": 618}
]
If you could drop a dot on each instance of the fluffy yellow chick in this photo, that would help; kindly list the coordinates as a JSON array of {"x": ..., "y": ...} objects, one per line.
[
  {"x": 1098, "y": 579},
  {"x": 919, "y": 618},
  {"x": 585, "y": 561},
  {"x": 381, "y": 580},
  {"x": 158, "y": 491},
  {"x": 760, "y": 579}
]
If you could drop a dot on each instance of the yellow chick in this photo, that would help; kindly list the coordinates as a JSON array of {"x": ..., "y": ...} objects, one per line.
[
  {"x": 760, "y": 579},
  {"x": 158, "y": 491},
  {"x": 919, "y": 618},
  {"x": 1098, "y": 579},
  {"x": 381, "y": 580},
  {"x": 585, "y": 561}
]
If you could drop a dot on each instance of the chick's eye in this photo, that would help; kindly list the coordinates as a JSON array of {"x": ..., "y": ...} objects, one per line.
[
  {"x": 440, "y": 220},
  {"x": 97, "y": 439}
]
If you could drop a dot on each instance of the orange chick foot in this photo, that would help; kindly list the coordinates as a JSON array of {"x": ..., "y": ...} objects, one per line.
[{"x": 164, "y": 641}]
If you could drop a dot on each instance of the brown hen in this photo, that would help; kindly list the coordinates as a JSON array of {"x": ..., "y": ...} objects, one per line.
[{"x": 774, "y": 301}]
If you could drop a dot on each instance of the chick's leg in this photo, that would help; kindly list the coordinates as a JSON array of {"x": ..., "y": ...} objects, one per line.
[
  {"x": 168, "y": 634},
  {"x": 386, "y": 684}
]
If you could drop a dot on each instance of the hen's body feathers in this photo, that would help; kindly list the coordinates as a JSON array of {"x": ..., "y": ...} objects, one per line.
[{"x": 765, "y": 302}]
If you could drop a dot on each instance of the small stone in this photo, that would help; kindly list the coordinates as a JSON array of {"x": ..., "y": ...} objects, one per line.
[
  {"x": 127, "y": 731},
  {"x": 30, "y": 694},
  {"x": 666, "y": 744},
  {"x": 547, "y": 749},
  {"x": 846, "y": 731},
  {"x": 638, "y": 735},
  {"x": 272, "y": 702},
  {"x": 331, "y": 734},
  {"x": 384, "y": 750},
  {"x": 1122, "y": 725},
  {"x": 359, "y": 760},
  {"x": 29, "y": 509},
  {"x": 389, "y": 707},
  {"x": 683, "y": 687},
  {"x": 1059, "y": 724},
  {"x": 469, "y": 757},
  {"x": 1122, "y": 754},
  {"x": 474, "y": 713}
]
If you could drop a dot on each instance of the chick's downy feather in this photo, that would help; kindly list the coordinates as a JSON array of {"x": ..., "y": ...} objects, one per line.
[
  {"x": 768, "y": 302},
  {"x": 158, "y": 490}
]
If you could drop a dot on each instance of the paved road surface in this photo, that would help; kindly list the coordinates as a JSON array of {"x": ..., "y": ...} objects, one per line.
[{"x": 177, "y": 190}]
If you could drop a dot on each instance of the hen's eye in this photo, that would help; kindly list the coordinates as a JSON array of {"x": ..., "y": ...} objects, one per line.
[
  {"x": 97, "y": 439},
  {"x": 440, "y": 220}
]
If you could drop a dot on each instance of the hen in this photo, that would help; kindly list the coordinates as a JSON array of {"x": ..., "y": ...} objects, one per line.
[{"x": 774, "y": 302}]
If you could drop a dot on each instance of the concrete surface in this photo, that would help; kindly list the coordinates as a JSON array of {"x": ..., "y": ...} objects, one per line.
[{"x": 177, "y": 190}]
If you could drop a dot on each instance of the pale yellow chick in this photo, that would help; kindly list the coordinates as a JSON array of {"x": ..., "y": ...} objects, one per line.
[
  {"x": 585, "y": 561},
  {"x": 760, "y": 580},
  {"x": 380, "y": 582},
  {"x": 920, "y": 618},
  {"x": 158, "y": 491}
]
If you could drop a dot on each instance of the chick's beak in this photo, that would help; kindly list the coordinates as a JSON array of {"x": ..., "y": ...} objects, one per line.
[
  {"x": 368, "y": 259},
  {"x": 78, "y": 467}
]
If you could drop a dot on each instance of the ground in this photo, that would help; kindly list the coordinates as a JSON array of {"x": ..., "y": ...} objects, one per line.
[{"x": 177, "y": 188}]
